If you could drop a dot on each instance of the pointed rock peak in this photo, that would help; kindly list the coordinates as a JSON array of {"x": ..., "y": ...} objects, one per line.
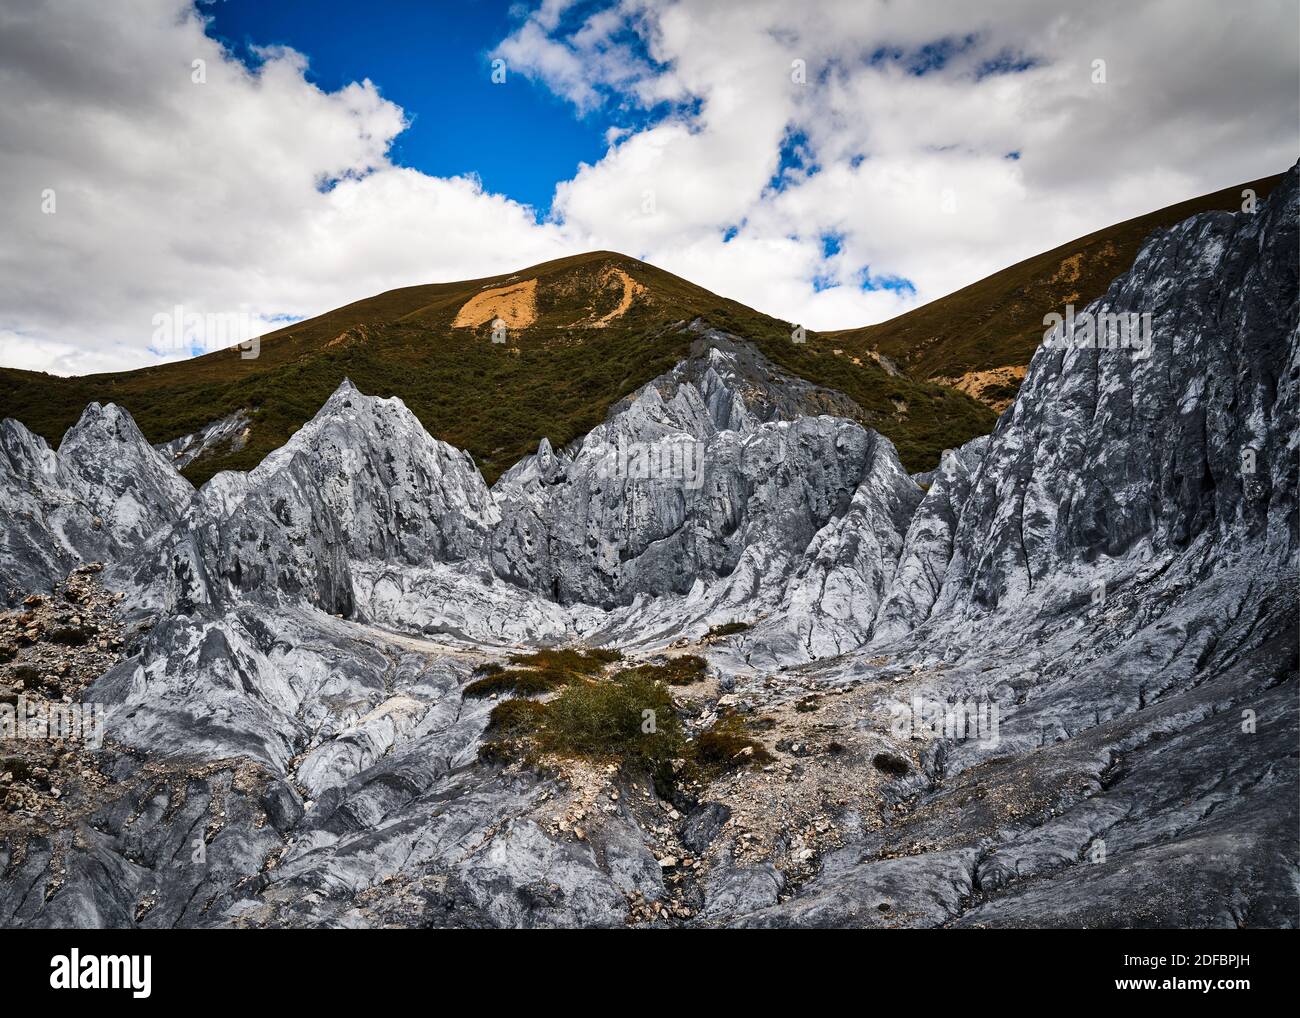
[
  {"x": 346, "y": 396},
  {"x": 100, "y": 412},
  {"x": 22, "y": 451},
  {"x": 740, "y": 385},
  {"x": 107, "y": 420},
  {"x": 345, "y": 391},
  {"x": 358, "y": 426},
  {"x": 649, "y": 394},
  {"x": 14, "y": 430}
]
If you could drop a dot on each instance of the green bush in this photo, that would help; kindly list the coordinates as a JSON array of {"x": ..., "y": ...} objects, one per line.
[
  {"x": 524, "y": 681},
  {"x": 726, "y": 746},
  {"x": 611, "y": 718},
  {"x": 570, "y": 659},
  {"x": 726, "y": 629},
  {"x": 629, "y": 719},
  {"x": 685, "y": 670},
  {"x": 515, "y": 718},
  {"x": 542, "y": 671}
]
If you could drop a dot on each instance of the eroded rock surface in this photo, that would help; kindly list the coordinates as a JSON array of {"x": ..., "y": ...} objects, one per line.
[
  {"x": 1051, "y": 682},
  {"x": 97, "y": 498}
]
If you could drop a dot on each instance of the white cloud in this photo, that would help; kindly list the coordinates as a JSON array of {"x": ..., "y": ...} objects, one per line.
[
  {"x": 915, "y": 172},
  {"x": 214, "y": 196},
  {"x": 257, "y": 191}
]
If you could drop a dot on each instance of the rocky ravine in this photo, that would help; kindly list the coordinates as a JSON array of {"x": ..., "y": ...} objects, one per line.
[{"x": 1104, "y": 588}]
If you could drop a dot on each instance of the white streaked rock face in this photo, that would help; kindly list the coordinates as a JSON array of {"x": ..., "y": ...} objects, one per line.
[
  {"x": 697, "y": 501},
  {"x": 1102, "y": 568},
  {"x": 1108, "y": 462},
  {"x": 692, "y": 471},
  {"x": 98, "y": 498},
  {"x": 923, "y": 561},
  {"x": 230, "y": 432},
  {"x": 360, "y": 482}
]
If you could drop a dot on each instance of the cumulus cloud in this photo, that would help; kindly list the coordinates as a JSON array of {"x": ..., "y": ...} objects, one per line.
[
  {"x": 252, "y": 193},
  {"x": 934, "y": 142},
  {"x": 833, "y": 163}
]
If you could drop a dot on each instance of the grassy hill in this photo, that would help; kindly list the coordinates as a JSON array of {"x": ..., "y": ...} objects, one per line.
[
  {"x": 964, "y": 338},
  {"x": 584, "y": 332},
  {"x": 588, "y": 330}
]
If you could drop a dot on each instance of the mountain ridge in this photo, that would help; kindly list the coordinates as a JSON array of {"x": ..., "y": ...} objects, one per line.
[
  {"x": 980, "y": 338},
  {"x": 565, "y": 372},
  {"x": 333, "y": 665},
  {"x": 556, "y": 378}
]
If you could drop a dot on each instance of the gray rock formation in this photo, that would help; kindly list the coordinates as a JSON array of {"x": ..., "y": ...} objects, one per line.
[
  {"x": 1105, "y": 585},
  {"x": 921, "y": 565},
  {"x": 361, "y": 481},
  {"x": 717, "y": 457},
  {"x": 229, "y": 432},
  {"x": 97, "y": 498}
]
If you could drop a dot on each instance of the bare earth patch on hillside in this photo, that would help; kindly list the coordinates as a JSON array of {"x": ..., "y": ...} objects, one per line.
[
  {"x": 353, "y": 336},
  {"x": 631, "y": 290},
  {"x": 1069, "y": 270},
  {"x": 516, "y": 305},
  {"x": 995, "y": 388}
]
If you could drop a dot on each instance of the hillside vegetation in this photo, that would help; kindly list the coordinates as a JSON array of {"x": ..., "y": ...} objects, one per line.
[
  {"x": 583, "y": 332},
  {"x": 596, "y": 327},
  {"x": 997, "y": 323}
]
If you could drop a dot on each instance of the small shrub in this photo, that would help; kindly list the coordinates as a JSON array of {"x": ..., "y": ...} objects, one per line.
[
  {"x": 726, "y": 629},
  {"x": 608, "y": 719},
  {"x": 685, "y": 670},
  {"x": 1001, "y": 391},
  {"x": 512, "y": 724},
  {"x": 570, "y": 659},
  {"x": 541, "y": 671},
  {"x": 498, "y": 751},
  {"x": 602, "y": 719},
  {"x": 523, "y": 681},
  {"x": 516, "y": 718},
  {"x": 727, "y": 745}
]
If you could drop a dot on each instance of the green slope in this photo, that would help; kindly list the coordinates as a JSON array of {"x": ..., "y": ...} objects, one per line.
[
  {"x": 555, "y": 378},
  {"x": 558, "y": 377},
  {"x": 998, "y": 321}
]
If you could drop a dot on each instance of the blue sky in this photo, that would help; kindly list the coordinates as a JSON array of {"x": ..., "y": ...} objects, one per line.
[
  {"x": 432, "y": 60},
  {"x": 829, "y": 162}
]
